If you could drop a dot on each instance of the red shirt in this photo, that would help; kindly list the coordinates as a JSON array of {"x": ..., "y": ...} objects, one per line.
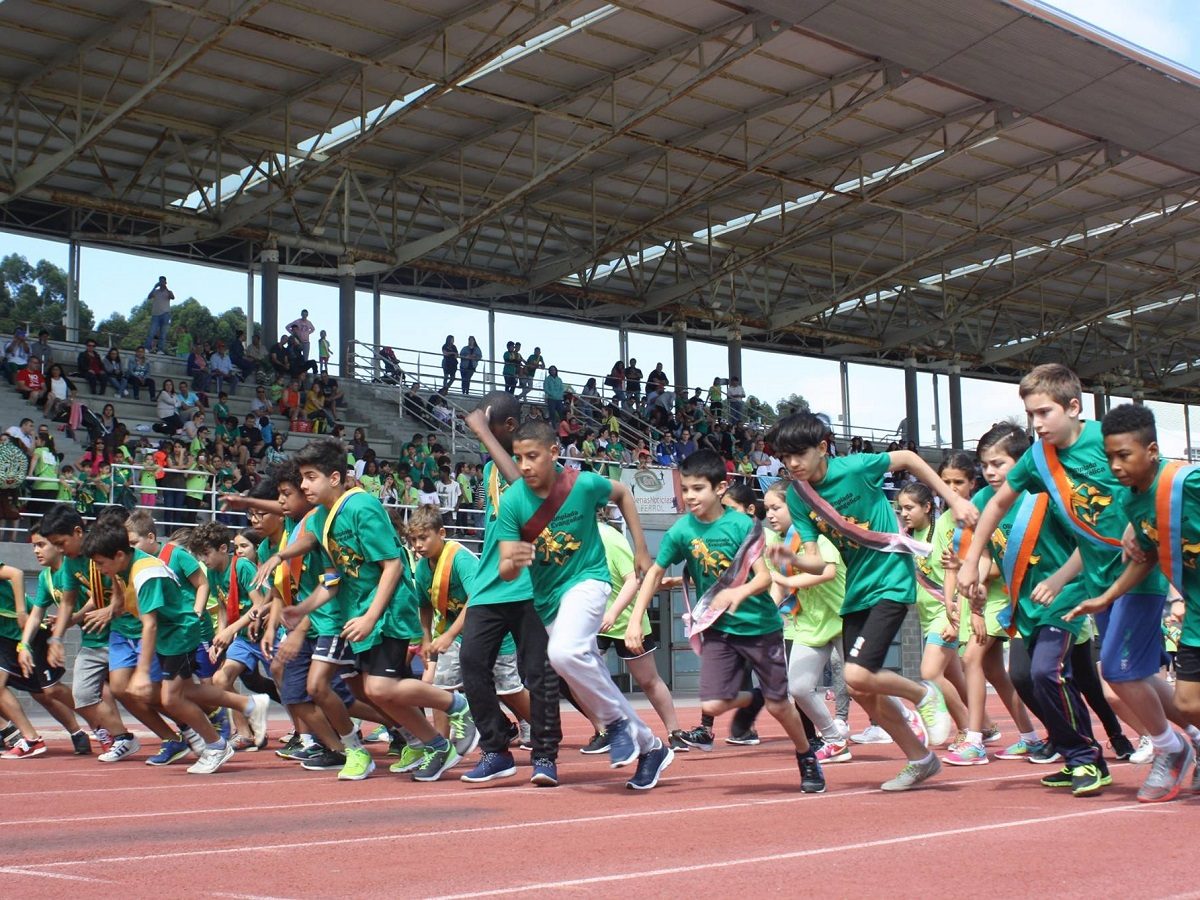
[{"x": 34, "y": 382}]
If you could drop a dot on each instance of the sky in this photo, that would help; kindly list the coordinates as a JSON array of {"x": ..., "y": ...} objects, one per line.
[{"x": 116, "y": 281}]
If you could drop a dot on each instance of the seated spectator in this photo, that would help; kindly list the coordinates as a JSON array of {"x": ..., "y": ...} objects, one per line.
[
  {"x": 668, "y": 451},
  {"x": 334, "y": 398},
  {"x": 137, "y": 374},
  {"x": 275, "y": 454},
  {"x": 315, "y": 411},
  {"x": 169, "y": 406},
  {"x": 255, "y": 363},
  {"x": 251, "y": 436},
  {"x": 358, "y": 444},
  {"x": 278, "y": 357},
  {"x": 16, "y": 354},
  {"x": 41, "y": 349},
  {"x": 105, "y": 425},
  {"x": 60, "y": 392},
  {"x": 90, "y": 367},
  {"x": 260, "y": 405},
  {"x": 191, "y": 428},
  {"x": 441, "y": 412},
  {"x": 115, "y": 373},
  {"x": 298, "y": 361},
  {"x": 198, "y": 370},
  {"x": 221, "y": 368},
  {"x": 392, "y": 374},
  {"x": 686, "y": 446},
  {"x": 31, "y": 383},
  {"x": 189, "y": 400},
  {"x": 289, "y": 401}
]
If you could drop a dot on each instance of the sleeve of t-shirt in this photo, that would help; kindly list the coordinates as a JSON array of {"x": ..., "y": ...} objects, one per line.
[
  {"x": 423, "y": 580},
  {"x": 871, "y": 467},
  {"x": 1024, "y": 476},
  {"x": 598, "y": 488},
  {"x": 377, "y": 540},
  {"x": 801, "y": 520},
  {"x": 245, "y": 578},
  {"x": 829, "y": 553},
  {"x": 151, "y": 595},
  {"x": 671, "y": 550},
  {"x": 45, "y": 588},
  {"x": 1139, "y": 534},
  {"x": 184, "y": 563},
  {"x": 508, "y": 522}
]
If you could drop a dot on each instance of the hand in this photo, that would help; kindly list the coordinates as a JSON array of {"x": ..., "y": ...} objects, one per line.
[
  {"x": 950, "y": 632},
  {"x": 1177, "y": 612},
  {"x": 440, "y": 644},
  {"x": 222, "y": 640},
  {"x": 266, "y": 643},
  {"x": 1131, "y": 550},
  {"x": 609, "y": 620},
  {"x": 237, "y": 502},
  {"x": 292, "y": 617},
  {"x": 521, "y": 554},
  {"x": 633, "y": 635},
  {"x": 670, "y": 582},
  {"x": 726, "y": 600},
  {"x": 289, "y": 647},
  {"x": 965, "y": 513},
  {"x": 141, "y": 687},
  {"x": 950, "y": 560},
  {"x": 642, "y": 562},
  {"x": 25, "y": 659},
  {"x": 477, "y": 420},
  {"x": 781, "y": 556},
  {"x": 978, "y": 628},
  {"x": 97, "y": 620},
  {"x": 358, "y": 629},
  {"x": 1086, "y": 608},
  {"x": 266, "y": 571},
  {"x": 1044, "y": 592}
]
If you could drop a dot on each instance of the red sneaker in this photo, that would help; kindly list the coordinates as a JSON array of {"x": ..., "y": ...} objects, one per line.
[{"x": 24, "y": 749}]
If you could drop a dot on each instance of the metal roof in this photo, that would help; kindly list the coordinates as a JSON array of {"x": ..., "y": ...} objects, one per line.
[{"x": 974, "y": 182}]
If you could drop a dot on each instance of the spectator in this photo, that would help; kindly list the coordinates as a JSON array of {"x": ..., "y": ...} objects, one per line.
[
  {"x": 160, "y": 298},
  {"x": 633, "y": 382},
  {"x": 31, "y": 383},
  {"x": 324, "y": 352},
  {"x": 512, "y": 363},
  {"x": 16, "y": 354},
  {"x": 856, "y": 445},
  {"x": 715, "y": 402},
  {"x": 60, "y": 393},
  {"x": 260, "y": 405},
  {"x": 334, "y": 398},
  {"x": 686, "y": 446},
  {"x": 41, "y": 348},
  {"x": 358, "y": 444},
  {"x": 197, "y": 370},
  {"x": 302, "y": 328},
  {"x": 22, "y": 435},
  {"x": 289, "y": 402},
  {"x": 552, "y": 387},
  {"x": 137, "y": 375},
  {"x": 529, "y": 368},
  {"x": 169, "y": 405},
  {"x": 449, "y": 362},
  {"x": 616, "y": 381},
  {"x": 315, "y": 411},
  {"x": 189, "y": 400},
  {"x": 392, "y": 373},
  {"x": 737, "y": 400},
  {"x": 105, "y": 425},
  {"x": 469, "y": 359},
  {"x": 590, "y": 400},
  {"x": 255, "y": 365},
  {"x": 222, "y": 370},
  {"x": 298, "y": 361},
  {"x": 427, "y": 494},
  {"x": 114, "y": 373},
  {"x": 43, "y": 474},
  {"x": 183, "y": 343},
  {"x": 278, "y": 357},
  {"x": 96, "y": 456},
  {"x": 90, "y": 367},
  {"x": 657, "y": 380},
  {"x": 449, "y": 494}
]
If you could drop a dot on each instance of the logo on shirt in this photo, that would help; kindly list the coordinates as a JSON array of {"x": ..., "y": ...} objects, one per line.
[
  {"x": 1000, "y": 542},
  {"x": 838, "y": 540},
  {"x": 1088, "y": 502},
  {"x": 712, "y": 562},
  {"x": 1190, "y": 550},
  {"x": 555, "y": 548}
]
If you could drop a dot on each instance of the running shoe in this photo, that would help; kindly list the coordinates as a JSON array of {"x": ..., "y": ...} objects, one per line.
[
  {"x": 123, "y": 746},
  {"x": 913, "y": 774},
  {"x": 1123, "y": 749},
  {"x": 935, "y": 716},
  {"x": 171, "y": 752},
  {"x": 463, "y": 733},
  {"x": 598, "y": 743},
  {"x": 80, "y": 743},
  {"x": 290, "y": 747},
  {"x": 212, "y": 759},
  {"x": 25, "y": 749},
  {"x": 834, "y": 752},
  {"x": 9, "y": 735},
  {"x": 677, "y": 743},
  {"x": 872, "y": 734},
  {"x": 1144, "y": 752},
  {"x": 434, "y": 762},
  {"x": 490, "y": 767},
  {"x": 917, "y": 726},
  {"x": 1089, "y": 779},
  {"x": 545, "y": 772},
  {"x": 193, "y": 740},
  {"x": 812, "y": 779},
  {"x": 243, "y": 744},
  {"x": 410, "y": 758},
  {"x": 397, "y": 744},
  {"x": 1042, "y": 753},
  {"x": 1167, "y": 775},
  {"x": 747, "y": 738},
  {"x": 323, "y": 760},
  {"x": 379, "y": 736},
  {"x": 258, "y": 720},
  {"x": 622, "y": 750},
  {"x": 103, "y": 738},
  {"x": 699, "y": 738},
  {"x": 1019, "y": 750},
  {"x": 312, "y": 751},
  {"x": 288, "y": 738},
  {"x": 650, "y": 767},
  {"x": 358, "y": 765},
  {"x": 967, "y": 755},
  {"x": 741, "y": 728},
  {"x": 960, "y": 738},
  {"x": 1063, "y": 778},
  {"x": 992, "y": 734}
]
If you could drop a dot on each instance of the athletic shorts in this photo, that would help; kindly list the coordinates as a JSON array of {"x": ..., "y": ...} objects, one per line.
[
  {"x": 43, "y": 676},
  {"x": 867, "y": 634},
  {"x": 293, "y": 688},
  {"x": 387, "y": 659},
  {"x": 90, "y": 676},
  {"x": 205, "y": 667},
  {"x": 1131, "y": 639},
  {"x": 649, "y": 645},
  {"x": 723, "y": 659},
  {"x": 448, "y": 672},
  {"x": 333, "y": 648},
  {"x": 1187, "y": 663},
  {"x": 182, "y": 665},
  {"x": 248, "y": 653},
  {"x": 123, "y": 653}
]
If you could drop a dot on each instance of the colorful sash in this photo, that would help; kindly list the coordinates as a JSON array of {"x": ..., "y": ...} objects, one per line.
[
  {"x": 790, "y": 603},
  {"x": 884, "y": 542},
  {"x": 440, "y": 590},
  {"x": 699, "y": 618},
  {"x": 287, "y": 577},
  {"x": 1054, "y": 476},
  {"x": 333, "y": 511},
  {"x": 233, "y": 606},
  {"x": 142, "y": 570},
  {"x": 1018, "y": 551},
  {"x": 1168, "y": 508}
]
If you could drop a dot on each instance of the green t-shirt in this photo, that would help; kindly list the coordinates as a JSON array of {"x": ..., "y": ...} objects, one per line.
[
  {"x": 818, "y": 616},
  {"x": 9, "y": 627},
  {"x": 73, "y": 574},
  {"x": 1094, "y": 492},
  {"x": 511, "y": 358},
  {"x": 219, "y": 584},
  {"x": 853, "y": 485},
  {"x": 707, "y": 549},
  {"x": 48, "y": 593},
  {"x": 489, "y": 587},
  {"x": 184, "y": 565},
  {"x": 1140, "y": 508},
  {"x": 462, "y": 574},
  {"x": 327, "y": 620},
  {"x": 158, "y": 592},
  {"x": 569, "y": 549},
  {"x": 619, "y": 556},
  {"x": 361, "y": 538}
]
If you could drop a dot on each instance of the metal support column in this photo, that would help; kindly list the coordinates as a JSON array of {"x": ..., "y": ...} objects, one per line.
[
  {"x": 1187, "y": 431},
  {"x": 269, "y": 292},
  {"x": 491, "y": 350},
  {"x": 346, "y": 289},
  {"x": 956, "y": 417},
  {"x": 72, "y": 318},
  {"x": 912, "y": 406},
  {"x": 844, "y": 376},
  {"x": 249, "y": 301},
  {"x": 679, "y": 358},
  {"x": 376, "y": 325},
  {"x": 623, "y": 344},
  {"x": 735, "y": 354},
  {"x": 1100, "y": 404}
]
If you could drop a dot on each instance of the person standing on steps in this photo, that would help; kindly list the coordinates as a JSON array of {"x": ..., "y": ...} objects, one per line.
[{"x": 160, "y": 298}]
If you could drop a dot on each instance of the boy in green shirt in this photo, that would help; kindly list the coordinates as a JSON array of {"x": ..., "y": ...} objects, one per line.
[
  {"x": 880, "y": 586},
  {"x": 566, "y": 563},
  {"x": 1162, "y": 501},
  {"x": 709, "y": 539}
]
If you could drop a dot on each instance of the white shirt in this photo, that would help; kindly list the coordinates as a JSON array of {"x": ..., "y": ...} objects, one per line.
[
  {"x": 449, "y": 494},
  {"x": 16, "y": 433}
]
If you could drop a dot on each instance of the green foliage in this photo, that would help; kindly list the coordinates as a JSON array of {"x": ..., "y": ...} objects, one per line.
[
  {"x": 758, "y": 410},
  {"x": 190, "y": 316},
  {"x": 791, "y": 403},
  {"x": 36, "y": 296}
]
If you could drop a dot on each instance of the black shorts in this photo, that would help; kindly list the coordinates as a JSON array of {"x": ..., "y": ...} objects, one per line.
[
  {"x": 649, "y": 645},
  {"x": 867, "y": 635},
  {"x": 333, "y": 649},
  {"x": 1187, "y": 663},
  {"x": 723, "y": 660},
  {"x": 43, "y": 676},
  {"x": 181, "y": 666},
  {"x": 387, "y": 659}
]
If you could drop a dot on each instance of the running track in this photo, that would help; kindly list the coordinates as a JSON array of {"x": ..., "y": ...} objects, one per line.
[{"x": 728, "y": 821}]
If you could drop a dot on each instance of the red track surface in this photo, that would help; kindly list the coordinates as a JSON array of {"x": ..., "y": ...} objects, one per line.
[{"x": 730, "y": 821}]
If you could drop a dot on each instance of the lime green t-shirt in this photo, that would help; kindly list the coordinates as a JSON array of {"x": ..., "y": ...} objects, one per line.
[
  {"x": 569, "y": 549},
  {"x": 707, "y": 549},
  {"x": 361, "y": 538},
  {"x": 619, "y": 556},
  {"x": 158, "y": 592},
  {"x": 1094, "y": 498},
  {"x": 1140, "y": 508},
  {"x": 9, "y": 627},
  {"x": 489, "y": 587},
  {"x": 853, "y": 485},
  {"x": 73, "y": 574},
  {"x": 929, "y": 608},
  {"x": 818, "y": 616}
]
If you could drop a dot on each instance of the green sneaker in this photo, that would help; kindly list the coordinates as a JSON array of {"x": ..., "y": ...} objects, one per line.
[
  {"x": 435, "y": 762},
  {"x": 1088, "y": 780},
  {"x": 410, "y": 758},
  {"x": 1063, "y": 778},
  {"x": 358, "y": 765},
  {"x": 463, "y": 733}
]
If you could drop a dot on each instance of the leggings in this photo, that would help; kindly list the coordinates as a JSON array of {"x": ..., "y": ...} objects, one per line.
[
  {"x": 806, "y": 670},
  {"x": 1083, "y": 672}
]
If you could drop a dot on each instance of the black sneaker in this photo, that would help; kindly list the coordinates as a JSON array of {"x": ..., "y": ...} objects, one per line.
[
  {"x": 1122, "y": 747},
  {"x": 9, "y": 735},
  {"x": 290, "y": 747},
  {"x": 699, "y": 738},
  {"x": 397, "y": 744},
  {"x": 677, "y": 743},
  {"x": 743, "y": 719},
  {"x": 743, "y": 738},
  {"x": 81, "y": 743},
  {"x": 650, "y": 767},
  {"x": 326, "y": 759},
  {"x": 812, "y": 779},
  {"x": 514, "y": 732},
  {"x": 598, "y": 743},
  {"x": 1063, "y": 778}
]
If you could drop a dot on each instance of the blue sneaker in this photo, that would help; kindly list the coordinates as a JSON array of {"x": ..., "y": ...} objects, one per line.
[
  {"x": 170, "y": 752},
  {"x": 545, "y": 772},
  {"x": 490, "y": 767},
  {"x": 621, "y": 748},
  {"x": 650, "y": 767}
]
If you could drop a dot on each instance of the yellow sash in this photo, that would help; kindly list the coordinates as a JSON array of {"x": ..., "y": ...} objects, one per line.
[{"x": 441, "y": 577}]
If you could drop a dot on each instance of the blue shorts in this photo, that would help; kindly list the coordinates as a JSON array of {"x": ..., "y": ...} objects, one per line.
[
  {"x": 938, "y": 641},
  {"x": 205, "y": 667},
  {"x": 123, "y": 653},
  {"x": 1131, "y": 638},
  {"x": 294, "y": 686},
  {"x": 247, "y": 653}
]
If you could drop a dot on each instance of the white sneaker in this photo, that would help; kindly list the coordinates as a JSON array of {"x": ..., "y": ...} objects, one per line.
[
  {"x": 842, "y": 728},
  {"x": 872, "y": 734},
  {"x": 212, "y": 759},
  {"x": 121, "y": 748},
  {"x": 258, "y": 718},
  {"x": 1144, "y": 752}
]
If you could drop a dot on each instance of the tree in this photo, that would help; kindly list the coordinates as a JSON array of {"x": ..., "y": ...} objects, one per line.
[
  {"x": 189, "y": 316},
  {"x": 756, "y": 409},
  {"x": 790, "y": 404},
  {"x": 36, "y": 296}
]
